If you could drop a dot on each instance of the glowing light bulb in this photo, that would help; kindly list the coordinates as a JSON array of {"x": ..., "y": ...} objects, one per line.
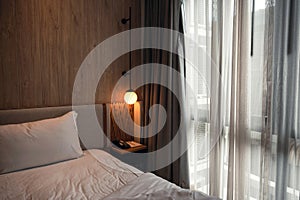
[{"x": 130, "y": 97}]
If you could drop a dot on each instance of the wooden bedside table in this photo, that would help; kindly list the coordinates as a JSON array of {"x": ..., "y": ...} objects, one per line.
[
  {"x": 138, "y": 149},
  {"x": 126, "y": 156}
]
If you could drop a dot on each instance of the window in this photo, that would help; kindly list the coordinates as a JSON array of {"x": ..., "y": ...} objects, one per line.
[{"x": 198, "y": 26}]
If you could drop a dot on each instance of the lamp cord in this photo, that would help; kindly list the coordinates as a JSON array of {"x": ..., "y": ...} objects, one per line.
[{"x": 130, "y": 48}]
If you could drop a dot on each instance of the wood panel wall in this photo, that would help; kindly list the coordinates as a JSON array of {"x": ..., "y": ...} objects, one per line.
[{"x": 43, "y": 43}]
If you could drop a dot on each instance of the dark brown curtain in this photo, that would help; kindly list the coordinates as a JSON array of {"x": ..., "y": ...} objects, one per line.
[{"x": 165, "y": 14}]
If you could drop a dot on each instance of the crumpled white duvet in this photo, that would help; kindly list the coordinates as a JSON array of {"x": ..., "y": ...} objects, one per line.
[
  {"x": 96, "y": 175},
  {"x": 82, "y": 178},
  {"x": 149, "y": 186}
]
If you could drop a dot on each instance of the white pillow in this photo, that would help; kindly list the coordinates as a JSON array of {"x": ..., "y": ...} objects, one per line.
[{"x": 39, "y": 143}]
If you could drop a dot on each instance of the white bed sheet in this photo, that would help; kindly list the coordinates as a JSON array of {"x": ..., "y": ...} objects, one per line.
[
  {"x": 95, "y": 175},
  {"x": 148, "y": 186},
  {"x": 82, "y": 178}
]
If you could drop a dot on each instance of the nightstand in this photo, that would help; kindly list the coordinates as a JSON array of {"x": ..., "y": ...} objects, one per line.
[{"x": 126, "y": 155}]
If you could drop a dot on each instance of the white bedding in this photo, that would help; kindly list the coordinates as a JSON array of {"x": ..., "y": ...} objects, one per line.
[
  {"x": 149, "y": 186},
  {"x": 96, "y": 175},
  {"x": 82, "y": 178}
]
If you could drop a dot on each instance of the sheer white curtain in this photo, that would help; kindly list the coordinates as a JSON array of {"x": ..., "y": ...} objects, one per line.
[
  {"x": 251, "y": 99},
  {"x": 197, "y": 27}
]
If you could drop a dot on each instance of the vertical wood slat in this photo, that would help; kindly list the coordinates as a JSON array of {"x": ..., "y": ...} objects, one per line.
[
  {"x": 9, "y": 71},
  {"x": 43, "y": 43},
  {"x": 108, "y": 124},
  {"x": 137, "y": 115},
  {"x": 116, "y": 132}
]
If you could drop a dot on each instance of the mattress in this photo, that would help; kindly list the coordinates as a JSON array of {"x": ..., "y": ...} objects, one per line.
[{"x": 95, "y": 175}]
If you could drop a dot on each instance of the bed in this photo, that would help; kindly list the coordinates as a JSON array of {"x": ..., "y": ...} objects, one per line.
[{"x": 55, "y": 167}]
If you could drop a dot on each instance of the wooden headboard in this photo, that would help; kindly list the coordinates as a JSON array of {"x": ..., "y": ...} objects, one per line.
[{"x": 88, "y": 133}]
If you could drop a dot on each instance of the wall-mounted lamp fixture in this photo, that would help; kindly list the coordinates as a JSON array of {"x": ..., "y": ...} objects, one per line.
[{"x": 130, "y": 96}]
